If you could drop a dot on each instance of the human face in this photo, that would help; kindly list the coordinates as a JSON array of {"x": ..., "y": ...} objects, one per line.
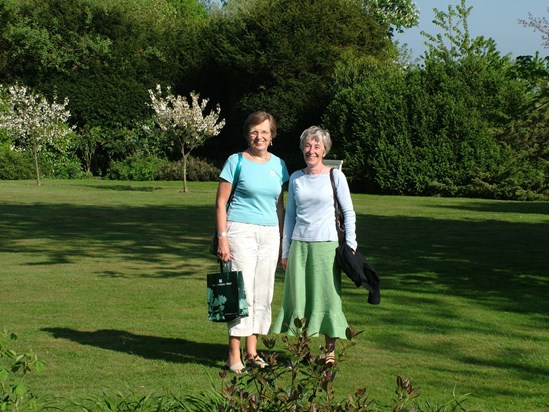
[
  {"x": 313, "y": 153},
  {"x": 260, "y": 137}
]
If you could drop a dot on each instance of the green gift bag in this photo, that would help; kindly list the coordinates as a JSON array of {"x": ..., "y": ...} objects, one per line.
[{"x": 226, "y": 295}]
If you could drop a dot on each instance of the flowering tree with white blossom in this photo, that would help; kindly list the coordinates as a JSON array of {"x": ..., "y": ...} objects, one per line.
[
  {"x": 186, "y": 123},
  {"x": 398, "y": 13},
  {"x": 32, "y": 121}
]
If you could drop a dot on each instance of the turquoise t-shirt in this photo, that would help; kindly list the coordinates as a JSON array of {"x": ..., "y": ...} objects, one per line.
[{"x": 257, "y": 191}]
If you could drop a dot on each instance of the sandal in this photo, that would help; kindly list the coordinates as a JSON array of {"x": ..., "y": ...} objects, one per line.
[
  {"x": 237, "y": 368},
  {"x": 256, "y": 360},
  {"x": 330, "y": 360}
]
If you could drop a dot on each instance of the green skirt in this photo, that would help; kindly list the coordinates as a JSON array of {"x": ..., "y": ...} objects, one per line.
[{"x": 312, "y": 290}]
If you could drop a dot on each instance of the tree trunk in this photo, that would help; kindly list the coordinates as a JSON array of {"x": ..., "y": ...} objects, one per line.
[
  {"x": 184, "y": 163},
  {"x": 87, "y": 158},
  {"x": 36, "y": 167}
]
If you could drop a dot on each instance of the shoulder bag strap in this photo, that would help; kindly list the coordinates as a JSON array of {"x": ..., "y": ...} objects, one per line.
[
  {"x": 336, "y": 204},
  {"x": 338, "y": 215},
  {"x": 235, "y": 178}
]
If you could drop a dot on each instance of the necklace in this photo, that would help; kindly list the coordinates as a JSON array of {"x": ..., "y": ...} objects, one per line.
[{"x": 266, "y": 157}]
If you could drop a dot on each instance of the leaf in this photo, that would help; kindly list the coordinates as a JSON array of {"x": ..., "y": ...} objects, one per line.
[
  {"x": 20, "y": 389},
  {"x": 40, "y": 366},
  {"x": 4, "y": 374}
]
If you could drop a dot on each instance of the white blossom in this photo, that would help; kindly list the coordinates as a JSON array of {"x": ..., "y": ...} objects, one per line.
[
  {"x": 187, "y": 122},
  {"x": 32, "y": 121},
  {"x": 398, "y": 13}
]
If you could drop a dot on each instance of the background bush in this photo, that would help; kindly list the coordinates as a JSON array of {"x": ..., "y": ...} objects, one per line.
[
  {"x": 466, "y": 121},
  {"x": 153, "y": 168},
  {"x": 198, "y": 170},
  {"x": 15, "y": 165},
  {"x": 135, "y": 168}
]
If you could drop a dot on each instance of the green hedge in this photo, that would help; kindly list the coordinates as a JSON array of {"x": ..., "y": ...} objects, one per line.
[{"x": 15, "y": 165}]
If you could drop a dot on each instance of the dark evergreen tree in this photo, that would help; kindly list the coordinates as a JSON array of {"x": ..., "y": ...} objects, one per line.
[{"x": 279, "y": 56}]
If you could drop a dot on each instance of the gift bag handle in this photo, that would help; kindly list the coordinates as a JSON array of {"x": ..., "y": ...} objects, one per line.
[{"x": 226, "y": 267}]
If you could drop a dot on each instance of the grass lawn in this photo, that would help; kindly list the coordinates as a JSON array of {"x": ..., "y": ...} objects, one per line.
[{"x": 105, "y": 281}]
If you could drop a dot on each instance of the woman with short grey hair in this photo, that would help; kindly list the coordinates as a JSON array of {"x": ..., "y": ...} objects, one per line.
[{"x": 312, "y": 288}]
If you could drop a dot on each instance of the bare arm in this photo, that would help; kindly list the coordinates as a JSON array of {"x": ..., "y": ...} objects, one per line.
[
  {"x": 280, "y": 214},
  {"x": 223, "y": 193}
]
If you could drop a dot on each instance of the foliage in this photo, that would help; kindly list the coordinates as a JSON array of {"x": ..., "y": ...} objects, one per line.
[
  {"x": 299, "y": 380},
  {"x": 410, "y": 136},
  {"x": 200, "y": 170},
  {"x": 102, "y": 55},
  {"x": 101, "y": 98},
  {"x": 34, "y": 122},
  {"x": 186, "y": 123},
  {"x": 398, "y": 13},
  {"x": 439, "y": 129},
  {"x": 132, "y": 37},
  {"x": 60, "y": 165},
  {"x": 87, "y": 142},
  {"x": 135, "y": 168},
  {"x": 405, "y": 394},
  {"x": 455, "y": 42},
  {"x": 283, "y": 56},
  {"x": 15, "y": 165},
  {"x": 528, "y": 134},
  {"x": 14, "y": 394},
  {"x": 99, "y": 147},
  {"x": 279, "y": 56},
  {"x": 121, "y": 402}
]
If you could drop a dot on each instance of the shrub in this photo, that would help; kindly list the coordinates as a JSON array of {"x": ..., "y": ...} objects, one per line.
[
  {"x": 309, "y": 375},
  {"x": 198, "y": 170},
  {"x": 15, "y": 165},
  {"x": 60, "y": 166},
  {"x": 295, "y": 379},
  {"x": 14, "y": 395},
  {"x": 136, "y": 168},
  {"x": 300, "y": 380}
]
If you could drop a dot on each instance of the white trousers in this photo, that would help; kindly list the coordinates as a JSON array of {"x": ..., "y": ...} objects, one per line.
[{"x": 255, "y": 251}]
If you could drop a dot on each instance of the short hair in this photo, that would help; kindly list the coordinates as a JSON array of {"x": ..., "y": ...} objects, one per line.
[
  {"x": 258, "y": 118},
  {"x": 318, "y": 135}
]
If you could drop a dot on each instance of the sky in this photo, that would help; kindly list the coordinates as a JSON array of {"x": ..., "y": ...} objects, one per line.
[{"x": 497, "y": 19}]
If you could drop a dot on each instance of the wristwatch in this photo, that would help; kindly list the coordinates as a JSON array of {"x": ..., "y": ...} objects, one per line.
[{"x": 222, "y": 234}]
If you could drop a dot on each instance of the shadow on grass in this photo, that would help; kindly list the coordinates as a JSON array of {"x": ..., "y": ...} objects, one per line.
[
  {"x": 147, "y": 347},
  {"x": 124, "y": 188},
  {"x": 499, "y": 263},
  {"x": 499, "y": 266},
  {"x": 54, "y": 234},
  {"x": 541, "y": 208}
]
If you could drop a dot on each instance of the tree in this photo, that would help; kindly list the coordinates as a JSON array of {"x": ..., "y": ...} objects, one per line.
[
  {"x": 185, "y": 122},
  {"x": 540, "y": 24},
  {"x": 398, "y": 13},
  {"x": 34, "y": 122},
  {"x": 279, "y": 56},
  {"x": 455, "y": 42},
  {"x": 440, "y": 129},
  {"x": 103, "y": 55}
]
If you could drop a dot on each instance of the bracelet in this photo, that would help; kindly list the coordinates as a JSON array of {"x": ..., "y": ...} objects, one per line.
[{"x": 222, "y": 234}]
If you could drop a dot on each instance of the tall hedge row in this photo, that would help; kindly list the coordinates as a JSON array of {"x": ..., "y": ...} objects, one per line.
[{"x": 436, "y": 130}]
